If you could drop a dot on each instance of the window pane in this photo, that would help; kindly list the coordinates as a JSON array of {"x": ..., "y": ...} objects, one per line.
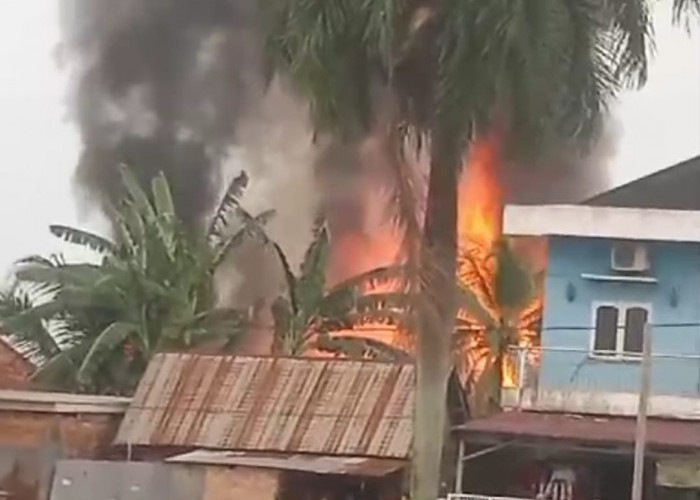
[
  {"x": 635, "y": 318},
  {"x": 605, "y": 328}
]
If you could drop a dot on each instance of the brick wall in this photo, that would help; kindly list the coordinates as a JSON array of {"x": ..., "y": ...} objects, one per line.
[
  {"x": 78, "y": 436},
  {"x": 31, "y": 442},
  {"x": 225, "y": 483},
  {"x": 14, "y": 369}
]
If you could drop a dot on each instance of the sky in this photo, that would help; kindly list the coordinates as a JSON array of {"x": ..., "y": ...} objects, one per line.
[{"x": 659, "y": 125}]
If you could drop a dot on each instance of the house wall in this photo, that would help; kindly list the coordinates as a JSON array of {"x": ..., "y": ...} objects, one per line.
[
  {"x": 32, "y": 441},
  {"x": 568, "y": 324},
  {"x": 225, "y": 483}
]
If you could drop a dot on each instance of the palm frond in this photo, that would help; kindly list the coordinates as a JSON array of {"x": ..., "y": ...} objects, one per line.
[
  {"x": 230, "y": 200},
  {"x": 253, "y": 227},
  {"x": 311, "y": 282},
  {"x": 685, "y": 12},
  {"x": 162, "y": 196},
  {"x": 632, "y": 34},
  {"x": 68, "y": 274},
  {"x": 289, "y": 277},
  {"x": 112, "y": 336},
  {"x": 83, "y": 238},
  {"x": 361, "y": 348},
  {"x": 469, "y": 302},
  {"x": 374, "y": 278},
  {"x": 25, "y": 326},
  {"x": 136, "y": 193}
]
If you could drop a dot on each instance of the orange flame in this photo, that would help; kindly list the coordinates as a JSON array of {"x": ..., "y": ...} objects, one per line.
[
  {"x": 480, "y": 209},
  {"x": 480, "y": 196}
]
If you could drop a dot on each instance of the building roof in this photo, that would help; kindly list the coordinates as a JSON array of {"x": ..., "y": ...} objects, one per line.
[
  {"x": 676, "y": 187},
  {"x": 287, "y": 405},
  {"x": 61, "y": 402},
  {"x": 602, "y": 222},
  {"x": 317, "y": 464},
  {"x": 662, "y": 434}
]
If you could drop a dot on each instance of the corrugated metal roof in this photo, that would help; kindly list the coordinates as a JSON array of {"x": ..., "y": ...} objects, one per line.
[
  {"x": 291, "y": 405},
  {"x": 317, "y": 464},
  {"x": 662, "y": 434}
]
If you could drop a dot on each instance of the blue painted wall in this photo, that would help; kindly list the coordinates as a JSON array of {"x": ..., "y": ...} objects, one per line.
[{"x": 672, "y": 264}]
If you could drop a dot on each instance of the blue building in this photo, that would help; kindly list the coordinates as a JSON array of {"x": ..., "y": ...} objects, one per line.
[
  {"x": 610, "y": 272},
  {"x": 612, "y": 277}
]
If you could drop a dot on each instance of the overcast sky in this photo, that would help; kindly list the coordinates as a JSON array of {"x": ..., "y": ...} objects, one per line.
[{"x": 660, "y": 124}]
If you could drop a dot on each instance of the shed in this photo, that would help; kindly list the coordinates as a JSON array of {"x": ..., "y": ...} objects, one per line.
[{"x": 308, "y": 417}]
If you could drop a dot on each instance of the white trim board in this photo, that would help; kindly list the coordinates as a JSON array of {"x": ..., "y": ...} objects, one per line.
[{"x": 602, "y": 222}]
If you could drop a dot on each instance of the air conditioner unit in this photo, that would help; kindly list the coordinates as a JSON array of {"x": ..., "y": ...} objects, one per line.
[{"x": 629, "y": 257}]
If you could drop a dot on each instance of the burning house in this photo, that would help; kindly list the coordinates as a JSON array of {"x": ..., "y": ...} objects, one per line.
[{"x": 570, "y": 413}]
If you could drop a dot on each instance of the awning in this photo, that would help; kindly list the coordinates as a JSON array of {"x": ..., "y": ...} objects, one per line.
[
  {"x": 317, "y": 464},
  {"x": 662, "y": 434}
]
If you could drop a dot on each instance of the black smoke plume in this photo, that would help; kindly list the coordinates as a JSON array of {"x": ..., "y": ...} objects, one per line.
[
  {"x": 161, "y": 85},
  {"x": 178, "y": 85}
]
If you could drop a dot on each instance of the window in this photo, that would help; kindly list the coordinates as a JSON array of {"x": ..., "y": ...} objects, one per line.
[{"x": 619, "y": 329}]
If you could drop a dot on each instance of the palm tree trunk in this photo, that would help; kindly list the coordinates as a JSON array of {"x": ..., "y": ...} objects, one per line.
[{"x": 437, "y": 314}]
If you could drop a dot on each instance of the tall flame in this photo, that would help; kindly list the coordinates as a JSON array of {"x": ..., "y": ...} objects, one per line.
[
  {"x": 480, "y": 210},
  {"x": 480, "y": 196}
]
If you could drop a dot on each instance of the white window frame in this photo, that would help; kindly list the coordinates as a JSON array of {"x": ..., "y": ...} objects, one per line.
[{"x": 622, "y": 308}]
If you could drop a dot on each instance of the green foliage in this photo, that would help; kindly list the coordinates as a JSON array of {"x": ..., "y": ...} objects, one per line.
[
  {"x": 544, "y": 70},
  {"x": 93, "y": 327},
  {"x": 309, "y": 315}
]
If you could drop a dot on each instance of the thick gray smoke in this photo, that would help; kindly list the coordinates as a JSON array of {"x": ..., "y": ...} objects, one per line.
[
  {"x": 161, "y": 85},
  {"x": 179, "y": 86}
]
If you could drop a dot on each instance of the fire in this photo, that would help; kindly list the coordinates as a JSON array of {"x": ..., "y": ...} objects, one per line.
[
  {"x": 480, "y": 196},
  {"x": 480, "y": 210}
]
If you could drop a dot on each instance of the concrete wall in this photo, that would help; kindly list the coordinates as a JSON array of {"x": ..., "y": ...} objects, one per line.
[
  {"x": 568, "y": 324},
  {"x": 80, "y": 479}
]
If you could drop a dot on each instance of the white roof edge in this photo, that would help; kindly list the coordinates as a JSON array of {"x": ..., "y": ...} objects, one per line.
[
  {"x": 602, "y": 222},
  {"x": 59, "y": 402}
]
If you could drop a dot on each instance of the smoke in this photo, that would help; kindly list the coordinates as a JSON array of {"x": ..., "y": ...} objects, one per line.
[
  {"x": 567, "y": 175},
  {"x": 161, "y": 85},
  {"x": 179, "y": 86}
]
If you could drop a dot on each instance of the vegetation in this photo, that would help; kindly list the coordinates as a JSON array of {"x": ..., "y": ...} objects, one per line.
[
  {"x": 310, "y": 318},
  {"x": 541, "y": 73},
  {"x": 93, "y": 327}
]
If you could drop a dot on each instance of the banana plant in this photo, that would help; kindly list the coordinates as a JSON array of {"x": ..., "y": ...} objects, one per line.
[
  {"x": 310, "y": 317},
  {"x": 94, "y": 327}
]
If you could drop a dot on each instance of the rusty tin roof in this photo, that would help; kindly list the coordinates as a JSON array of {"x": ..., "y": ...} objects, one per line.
[
  {"x": 661, "y": 433},
  {"x": 290, "y": 405}
]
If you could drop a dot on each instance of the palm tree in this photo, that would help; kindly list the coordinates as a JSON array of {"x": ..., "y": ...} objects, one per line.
[
  {"x": 94, "y": 327},
  {"x": 540, "y": 72},
  {"x": 499, "y": 308}
]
